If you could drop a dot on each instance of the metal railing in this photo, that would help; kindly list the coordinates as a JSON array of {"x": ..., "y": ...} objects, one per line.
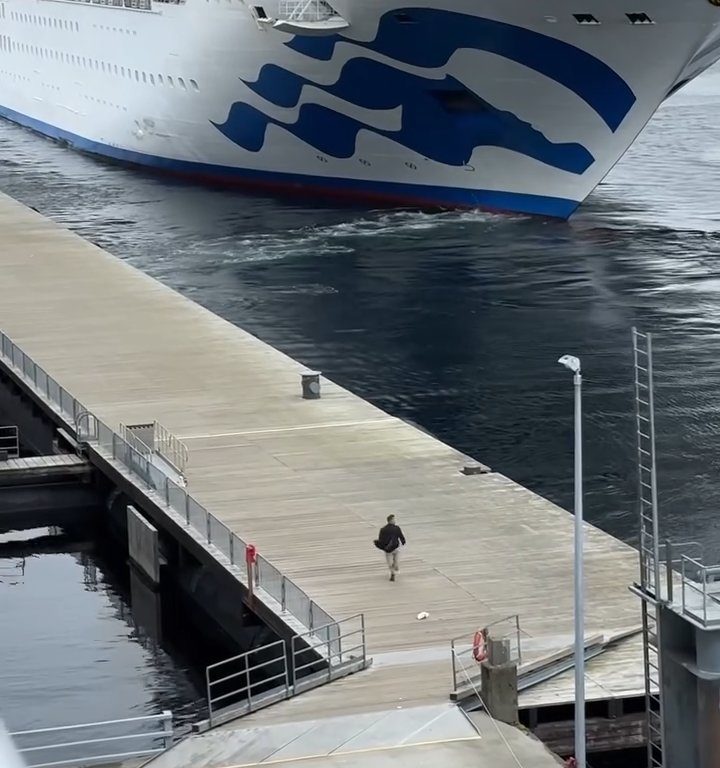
[
  {"x": 95, "y": 743},
  {"x": 9, "y": 442},
  {"x": 171, "y": 448},
  {"x": 338, "y": 644},
  {"x": 282, "y": 669},
  {"x": 671, "y": 557},
  {"x": 700, "y": 586},
  {"x": 466, "y": 671},
  {"x": 229, "y": 547},
  {"x": 248, "y": 681},
  {"x": 155, "y": 438},
  {"x": 304, "y": 10}
]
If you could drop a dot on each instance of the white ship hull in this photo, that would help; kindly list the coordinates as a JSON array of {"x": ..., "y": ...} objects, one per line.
[{"x": 502, "y": 104}]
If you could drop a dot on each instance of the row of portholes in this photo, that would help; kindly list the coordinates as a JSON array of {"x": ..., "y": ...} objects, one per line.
[
  {"x": 45, "y": 21},
  {"x": 362, "y": 161},
  {"x": 105, "y": 102},
  {"x": 6, "y": 44},
  {"x": 15, "y": 76},
  {"x": 115, "y": 29}
]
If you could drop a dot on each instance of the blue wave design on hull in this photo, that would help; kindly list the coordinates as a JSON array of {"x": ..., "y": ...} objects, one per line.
[
  {"x": 334, "y": 187},
  {"x": 441, "y": 119},
  {"x": 428, "y": 37}
]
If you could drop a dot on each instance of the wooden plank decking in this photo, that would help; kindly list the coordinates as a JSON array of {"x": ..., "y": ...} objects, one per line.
[{"x": 308, "y": 481}]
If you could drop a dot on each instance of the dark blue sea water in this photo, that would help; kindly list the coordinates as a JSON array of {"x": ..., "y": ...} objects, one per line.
[
  {"x": 71, "y": 649},
  {"x": 455, "y": 320}
]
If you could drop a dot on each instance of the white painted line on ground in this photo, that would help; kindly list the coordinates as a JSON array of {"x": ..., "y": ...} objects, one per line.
[{"x": 302, "y": 427}]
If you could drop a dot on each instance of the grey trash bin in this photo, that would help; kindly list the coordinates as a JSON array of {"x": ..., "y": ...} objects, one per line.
[{"x": 310, "y": 385}]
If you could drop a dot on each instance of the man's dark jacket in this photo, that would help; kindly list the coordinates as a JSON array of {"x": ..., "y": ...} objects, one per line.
[{"x": 389, "y": 538}]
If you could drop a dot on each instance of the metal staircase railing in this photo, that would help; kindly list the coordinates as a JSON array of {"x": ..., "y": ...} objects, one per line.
[
  {"x": 284, "y": 668},
  {"x": 650, "y": 583}
]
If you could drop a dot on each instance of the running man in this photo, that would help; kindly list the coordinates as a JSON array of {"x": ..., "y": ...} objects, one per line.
[{"x": 389, "y": 540}]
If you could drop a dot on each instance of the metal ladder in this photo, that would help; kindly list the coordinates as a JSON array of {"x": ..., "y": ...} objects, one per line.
[{"x": 649, "y": 545}]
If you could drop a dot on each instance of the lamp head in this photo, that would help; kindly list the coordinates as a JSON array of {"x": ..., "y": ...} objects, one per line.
[{"x": 571, "y": 362}]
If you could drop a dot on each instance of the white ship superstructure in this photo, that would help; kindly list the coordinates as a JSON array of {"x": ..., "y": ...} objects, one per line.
[{"x": 501, "y": 104}]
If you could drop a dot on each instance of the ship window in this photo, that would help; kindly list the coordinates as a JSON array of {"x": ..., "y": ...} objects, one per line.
[
  {"x": 259, "y": 12},
  {"x": 115, "y": 67},
  {"x": 194, "y": 85},
  {"x": 181, "y": 83},
  {"x": 137, "y": 76},
  {"x": 585, "y": 18},
  {"x": 144, "y": 78},
  {"x": 170, "y": 82},
  {"x": 152, "y": 79},
  {"x": 160, "y": 79},
  {"x": 639, "y": 18}
]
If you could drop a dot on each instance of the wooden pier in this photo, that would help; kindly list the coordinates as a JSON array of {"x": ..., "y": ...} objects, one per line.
[{"x": 309, "y": 482}]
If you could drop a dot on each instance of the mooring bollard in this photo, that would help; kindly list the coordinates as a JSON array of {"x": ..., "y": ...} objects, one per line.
[
  {"x": 310, "y": 385},
  {"x": 499, "y": 682}
]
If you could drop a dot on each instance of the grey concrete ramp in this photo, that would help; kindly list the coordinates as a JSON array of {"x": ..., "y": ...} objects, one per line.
[{"x": 402, "y": 738}]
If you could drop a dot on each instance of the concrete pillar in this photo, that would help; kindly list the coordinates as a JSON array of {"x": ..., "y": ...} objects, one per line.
[
  {"x": 707, "y": 645},
  {"x": 707, "y": 650},
  {"x": 679, "y": 691},
  {"x": 499, "y": 683},
  {"x": 708, "y": 698}
]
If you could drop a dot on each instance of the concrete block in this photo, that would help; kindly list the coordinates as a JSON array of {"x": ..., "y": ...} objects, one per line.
[
  {"x": 143, "y": 544},
  {"x": 499, "y": 691}
]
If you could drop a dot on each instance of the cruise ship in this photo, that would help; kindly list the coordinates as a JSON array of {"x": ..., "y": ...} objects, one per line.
[{"x": 497, "y": 104}]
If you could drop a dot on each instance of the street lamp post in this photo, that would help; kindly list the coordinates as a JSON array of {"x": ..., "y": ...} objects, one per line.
[{"x": 573, "y": 364}]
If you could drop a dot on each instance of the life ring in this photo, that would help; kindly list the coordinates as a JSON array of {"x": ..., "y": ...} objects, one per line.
[{"x": 479, "y": 646}]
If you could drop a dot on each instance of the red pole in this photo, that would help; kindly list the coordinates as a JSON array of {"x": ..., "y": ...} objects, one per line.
[{"x": 250, "y": 558}]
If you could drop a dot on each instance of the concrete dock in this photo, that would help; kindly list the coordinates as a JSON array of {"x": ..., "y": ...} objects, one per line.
[{"x": 309, "y": 482}]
